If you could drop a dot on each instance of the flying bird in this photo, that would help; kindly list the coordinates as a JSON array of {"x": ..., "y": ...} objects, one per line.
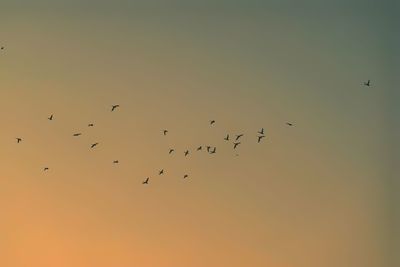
[
  {"x": 227, "y": 137},
  {"x": 368, "y": 83},
  {"x": 161, "y": 172},
  {"x": 260, "y": 137},
  {"x": 90, "y": 125},
  {"x": 213, "y": 151},
  {"x": 113, "y": 107},
  {"x": 116, "y": 161},
  {"x": 261, "y": 131},
  {"x": 165, "y": 132},
  {"x": 171, "y": 150},
  {"x": 208, "y": 148},
  {"x": 50, "y": 118},
  {"x": 238, "y": 136},
  {"x": 46, "y": 169},
  {"x": 18, "y": 140},
  {"x": 146, "y": 181},
  {"x": 185, "y": 176},
  {"x": 2, "y": 48},
  {"x": 77, "y": 134},
  {"x": 290, "y": 124},
  {"x": 236, "y": 144},
  {"x": 93, "y": 145},
  {"x": 212, "y": 122},
  {"x": 186, "y": 153},
  {"x": 199, "y": 148}
]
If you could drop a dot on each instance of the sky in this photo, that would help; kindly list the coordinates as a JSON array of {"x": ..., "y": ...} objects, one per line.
[{"x": 321, "y": 193}]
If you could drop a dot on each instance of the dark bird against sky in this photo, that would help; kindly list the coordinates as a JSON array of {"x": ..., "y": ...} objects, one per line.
[
  {"x": 18, "y": 140},
  {"x": 235, "y": 145},
  {"x": 93, "y": 145},
  {"x": 368, "y": 83},
  {"x": 113, "y": 107},
  {"x": 260, "y": 137},
  {"x": 146, "y": 181}
]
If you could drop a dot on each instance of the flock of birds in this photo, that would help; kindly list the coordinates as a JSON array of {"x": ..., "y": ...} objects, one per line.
[{"x": 211, "y": 150}]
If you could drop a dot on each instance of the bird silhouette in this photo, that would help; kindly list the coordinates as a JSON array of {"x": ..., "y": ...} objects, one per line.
[
  {"x": 199, "y": 148},
  {"x": 45, "y": 169},
  {"x": 185, "y": 176},
  {"x": 113, "y": 107},
  {"x": 18, "y": 140},
  {"x": 165, "y": 132},
  {"x": 238, "y": 136},
  {"x": 260, "y": 137},
  {"x": 368, "y": 83},
  {"x": 90, "y": 125},
  {"x": 116, "y": 161},
  {"x": 93, "y": 145},
  {"x": 146, "y": 181},
  {"x": 208, "y": 148},
  {"x": 50, "y": 118},
  {"x": 235, "y": 145},
  {"x": 161, "y": 172},
  {"x": 213, "y": 151},
  {"x": 212, "y": 122},
  {"x": 186, "y": 153},
  {"x": 171, "y": 150},
  {"x": 261, "y": 131},
  {"x": 290, "y": 124},
  {"x": 2, "y": 48},
  {"x": 227, "y": 137},
  {"x": 76, "y": 134}
]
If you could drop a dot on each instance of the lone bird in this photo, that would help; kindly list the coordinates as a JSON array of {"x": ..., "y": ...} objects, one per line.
[
  {"x": 165, "y": 132},
  {"x": 115, "y": 161},
  {"x": 146, "y": 181},
  {"x": 171, "y": 150},
  {"x": 186, "y": 153},
  {"x": 213, "y": 151},
  {"x": 208, "y": 148},
  {"x": 261, "y": 131},
  {"x": 212, "y": 122},
  {"x": 238, "y": 136},
  {"x": 50, "y": 118},
  {"x": 113, "y": 107},
  {"x": 45, "y": 169},
  {"x": 18, "y": 140},
  {"x": 185, "y": 176},
  {"x": 77, "y": 134},
  {"x": 290, "y": 124},
  {"x": 90, "y": 125},
  {"x": 260, "y": 137},
  {"x": 235, "y": 145},
  {"x": 161, "y": 172},
  {"x": 368, "y": 83},
  {"x": 2, "y": 48},
  {"x": 227, "y": 137},
  {"x": 199, "y": 148},
  {"x": 93, "y": 145}
]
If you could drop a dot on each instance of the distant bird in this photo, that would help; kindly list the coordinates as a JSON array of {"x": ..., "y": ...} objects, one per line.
[
  {"x": 238, "y": 136},
  {"x": 116, "y": 161},
  {"x": 90, "y": 125},
  {"x": 2, "y": 48},
  {"x": 199, "y": 148},
  {"x": 212, "y": 122},
  {"x": 171, "y": 150},
  {"x": 93, "y": 145},
  {"x": 290, "y": 124},
  {"x": 113, "y": 107},
  {"x": 50, "y": 118},
  {"x": 208, "y": 148},
  {"x": 186, "y": 153},
  {"x": 227, "y": 137},
  {"x": 165, "y": 132},
  {"x": 261, "y": 131},
  {"x": 46, "y": 169},
  {"x": 260, "y": 137},
  {"x": 77, "y": 134},
  {"x": 236, "y": 144},
  {"x": 146, "y": 181},
  {"x": 213, "y": 151},
  {"x": 161, "y": 172},
  {"x": 18, "y": 140},
  {"x": 368, "y": 83},
  {"x": 185, "y": 176}
]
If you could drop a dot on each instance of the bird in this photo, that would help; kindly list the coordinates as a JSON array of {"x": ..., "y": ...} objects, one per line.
[
  {"x": 261, "y": 131},
  {"x": 185, "y": 176},
  {"x": 93, "y": 145},
  {"x": 146, "y": 181},
  {"x": 165, "y": 132},
  {"x": 227, "y": 137},
  {"x": 260, "y": 137},
  {"x": 18, "y": 140},
  {"x": 2, "y": 48},
  {"x": 161, "y": 172},
  {"x": 289, "y": 123},
  {"x": 368, "y": 83},
  {"x": 212, "y": 122},
  {"x": 90, "y": 125},
  {"x": 236, "y": 144},
  {"x": 76, "y": 134},
  {"x": 50, "y": 118},
  {"x": 171, "y": 150},
  {"x": 116, "y": 161},
  {"x": 186, "y": 153},
  {"x": 199, "y": 148},
  {"x": 45, "y": 169},
  {"x": 238, "y": 136},
  {"x": 208, "y": 148},
  {"x": 113, "y": 107},
  {"x": 213, "y": 151}
]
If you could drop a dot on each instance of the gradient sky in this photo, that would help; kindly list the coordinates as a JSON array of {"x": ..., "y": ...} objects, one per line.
[{"x": 322, "y": 193}]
